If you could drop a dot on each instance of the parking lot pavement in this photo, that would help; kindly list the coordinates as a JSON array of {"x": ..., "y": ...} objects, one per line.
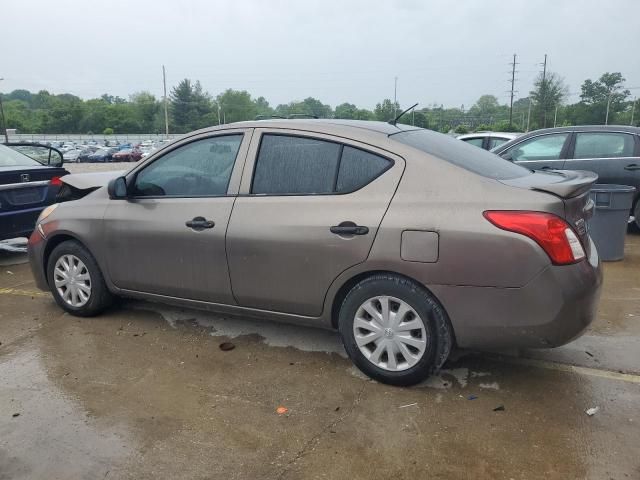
[
  {"x": 144, "y": 391},
  {"x": 98, "y": 167}
]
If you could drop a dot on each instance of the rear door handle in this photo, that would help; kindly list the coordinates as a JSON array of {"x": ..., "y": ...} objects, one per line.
[
  {"x": 633, "y": 166},
  {"x": 349, "y": 228},
  {"x": 200, "y": 223}
]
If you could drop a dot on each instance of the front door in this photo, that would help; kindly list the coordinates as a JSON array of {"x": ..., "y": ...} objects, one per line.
[
  {"x": 168, "y": 238},
  {"x": 543, "y": 152},
  {"x": 310, "y": 207}
]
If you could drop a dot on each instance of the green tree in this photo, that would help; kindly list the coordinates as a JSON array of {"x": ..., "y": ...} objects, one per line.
[
  {"x": 236, "y": 106},
  {"x": 191, "y": 107},
  {"x": 607, "y": 90},
  {"x": 548, "y": 93},
  {"x": 387, "y": 110}
]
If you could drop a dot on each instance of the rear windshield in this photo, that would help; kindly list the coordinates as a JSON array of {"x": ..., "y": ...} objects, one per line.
[
  {"x": 11, "y": 158},
  {"x": 460, "y": 153}
]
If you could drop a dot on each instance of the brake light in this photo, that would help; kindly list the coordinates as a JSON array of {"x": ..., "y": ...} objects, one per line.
[
  {"x": 552, "y": 233},
  {"x": 55, "y": 181}
]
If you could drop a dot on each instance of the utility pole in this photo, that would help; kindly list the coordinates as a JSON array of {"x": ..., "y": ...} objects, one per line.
[
  {"x": 4, "y": 123},
  {"x": 633, "y": 110},
  {"x": 513, "y": 81},
  {"x": 544, "y": 91},
  {"x": 529, "y": 115},
  {"x": 166, "y": 113},
  {"x": 395, "y": 97},
  {"x": 555, "y": 117},
  {"x": 606, "y": 117}
]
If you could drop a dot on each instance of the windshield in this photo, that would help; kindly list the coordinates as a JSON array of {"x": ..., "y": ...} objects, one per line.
[
  {"x": 11, "y": 158},
  {"x": 461, "y": 154}
]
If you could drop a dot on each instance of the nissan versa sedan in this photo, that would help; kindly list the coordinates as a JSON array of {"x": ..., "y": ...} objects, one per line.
[{"x": 405, "y": 240}]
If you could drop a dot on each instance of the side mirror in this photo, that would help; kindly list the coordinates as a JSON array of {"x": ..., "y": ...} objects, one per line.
[
  {"x": 507, "y": 156},
  {"x": 117, "y": 188}
]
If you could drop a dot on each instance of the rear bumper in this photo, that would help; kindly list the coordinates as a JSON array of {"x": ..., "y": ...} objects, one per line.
[
  {"x": 18, "y": 223},
  {"x": 551, "y": 310}
]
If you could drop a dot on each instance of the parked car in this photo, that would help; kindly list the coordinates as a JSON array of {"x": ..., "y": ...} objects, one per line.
[
  {"x": 403, "y": 239},
  {"x": 26, "y": 187},
  {"x": 612, "y": 152},
  {"x": 71, "y": 155},
  {"x": 84, "y": 154},
  {"x": 127, "y": 155},
  {"x": 487, "y": 140},
  {"x": 102, "y": 155}
]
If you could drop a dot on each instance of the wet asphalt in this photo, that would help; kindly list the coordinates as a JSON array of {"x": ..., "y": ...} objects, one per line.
[{"x": 145, "y": 392}]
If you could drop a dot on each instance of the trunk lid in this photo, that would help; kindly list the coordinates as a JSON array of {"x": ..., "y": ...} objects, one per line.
[
  {"x": 572, "y": 186},
  {"x": 27, "y": 187}
]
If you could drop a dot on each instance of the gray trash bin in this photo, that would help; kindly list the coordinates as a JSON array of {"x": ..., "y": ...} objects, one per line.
[{"x": 608, "y": 226}]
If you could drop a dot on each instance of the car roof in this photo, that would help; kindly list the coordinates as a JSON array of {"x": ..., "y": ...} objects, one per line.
[
  {"x": 488, "y": 134},
  {"x": 596, "y": 128},
  {"x": 356, "y": 128}
]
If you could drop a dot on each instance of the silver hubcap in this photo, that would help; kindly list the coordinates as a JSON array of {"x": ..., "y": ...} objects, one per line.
[
  {"x": 72, "y": 280},
  {"x": 389, "y": 333}
]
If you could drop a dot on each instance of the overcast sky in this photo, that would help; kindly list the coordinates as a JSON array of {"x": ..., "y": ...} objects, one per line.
[{"x": 448, "y": 52}]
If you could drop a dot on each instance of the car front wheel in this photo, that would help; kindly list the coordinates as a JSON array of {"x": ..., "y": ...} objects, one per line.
[
  {"x": 394, "y": 330},
  {"x": 76, "y": 281}
]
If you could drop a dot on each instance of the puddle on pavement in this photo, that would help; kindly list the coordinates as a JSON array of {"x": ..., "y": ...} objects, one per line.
[
  {"x": 273, "y": 334},
  {"x": 52, "y": 437}
]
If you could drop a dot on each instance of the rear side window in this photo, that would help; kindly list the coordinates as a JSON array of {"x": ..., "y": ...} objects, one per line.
[
  {"x": 357, "y": 168},
  {"x": 289, "y": 165},
  {"x": 603, "y": 145},
  {"x": 459, "y": 153},
  {"x": 496, "y": 141}
]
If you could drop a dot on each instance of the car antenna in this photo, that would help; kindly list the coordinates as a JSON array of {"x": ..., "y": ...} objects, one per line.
[{"x": 395, "y": 120}]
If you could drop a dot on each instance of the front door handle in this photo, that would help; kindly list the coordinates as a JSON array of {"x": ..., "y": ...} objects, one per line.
[
  {"x": 633, "y": 166},
  {"x": 546, "y": 168},
  {"x": 200, "y": 223},
  {"x": 349, "y": 228}
]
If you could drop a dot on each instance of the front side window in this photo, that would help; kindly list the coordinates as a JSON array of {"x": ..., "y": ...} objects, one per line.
[
  {"x": 474, "y": 141},
  {"x": 547, "y": 147},
  {"x": 200, "y": 168},
  {"x": 289, "y": 165},
  {"x": 603, "y": 145}
]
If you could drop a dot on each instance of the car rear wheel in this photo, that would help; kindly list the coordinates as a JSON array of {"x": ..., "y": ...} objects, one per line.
[
  {"x": 636, "y": 214},
  {"x": 394, "y": 330},
  {"x": 76, "y": 281}
]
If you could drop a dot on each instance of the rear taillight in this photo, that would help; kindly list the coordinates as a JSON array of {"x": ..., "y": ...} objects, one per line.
[
  {"x": 55, "y": 181},
  {"x": 552, "y": 233}
]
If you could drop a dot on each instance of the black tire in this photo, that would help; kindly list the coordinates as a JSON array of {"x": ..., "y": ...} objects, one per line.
[
  {"x": 635, "y": 225},
  {"x": 99, "y": 298},
  {"x": 434, "y": 317}
]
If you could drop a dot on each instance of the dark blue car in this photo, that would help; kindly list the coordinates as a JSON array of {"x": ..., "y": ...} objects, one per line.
[{"x": 29, "y": 182}]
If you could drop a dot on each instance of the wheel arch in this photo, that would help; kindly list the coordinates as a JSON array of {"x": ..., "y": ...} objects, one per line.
[
  {"x": 352, "y": 281},
  {"x": 52, "y": 243}
]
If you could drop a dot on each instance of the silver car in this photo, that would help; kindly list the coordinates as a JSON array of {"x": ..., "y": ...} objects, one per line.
[{"x": 405, "y": 240}]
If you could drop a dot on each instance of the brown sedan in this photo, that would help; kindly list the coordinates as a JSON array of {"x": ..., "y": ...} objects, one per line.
[{"x": 405, "y": 240}]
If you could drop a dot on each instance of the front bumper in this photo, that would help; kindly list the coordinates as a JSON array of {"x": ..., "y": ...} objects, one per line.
[
  {"x": 36, "y": 250},
  {"x": 551, "y": 310}
]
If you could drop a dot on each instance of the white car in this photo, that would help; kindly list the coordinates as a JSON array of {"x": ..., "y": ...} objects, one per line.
[
  {"x": 488, "y": 140},
  {"x": 71, "y": 155}
]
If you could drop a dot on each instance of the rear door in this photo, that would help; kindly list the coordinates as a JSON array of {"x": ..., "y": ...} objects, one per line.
[
  {"x": 542, "y": 152},
  {"x": 310, "y": 207},
  {"x": 168, "y": 237},
  {"x": 614, "y": 156}
]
